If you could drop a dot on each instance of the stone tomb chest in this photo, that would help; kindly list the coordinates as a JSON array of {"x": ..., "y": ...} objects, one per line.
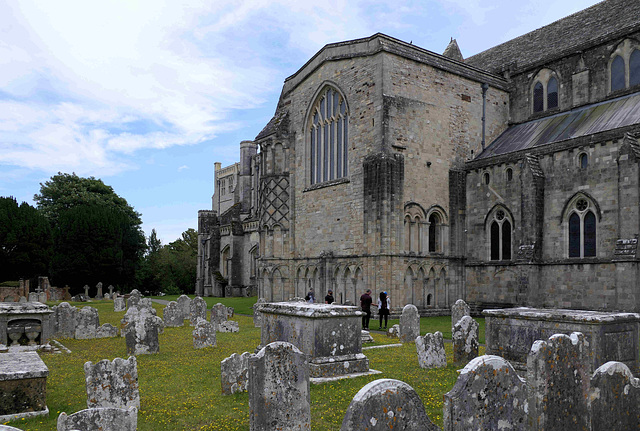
[
  {"x": 511, "y": 332},
  {"x": 23, "y": 385},
  {"x": 329, "y": 334},
  {"x": 24, "y": 323}
]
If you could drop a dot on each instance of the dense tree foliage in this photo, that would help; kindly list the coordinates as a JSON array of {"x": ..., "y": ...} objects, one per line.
[{"x": 25, "y": 241}]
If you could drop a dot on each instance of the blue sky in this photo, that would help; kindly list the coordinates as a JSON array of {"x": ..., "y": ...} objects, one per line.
[{"x": 147, "y": 95}]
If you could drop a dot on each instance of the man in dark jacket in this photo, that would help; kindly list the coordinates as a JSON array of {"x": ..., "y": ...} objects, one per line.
[
  {"x": 365, "y": 304},
  {"x": 329, "y": 298}
]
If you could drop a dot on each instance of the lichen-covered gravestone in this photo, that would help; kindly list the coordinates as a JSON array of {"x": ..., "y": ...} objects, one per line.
[
  {"x": 458, "y": 311},
  {"x": 488, "y": 395},
  {"x": 409, "y": 324},
  {"x": 197, "y": 310},
  {"x": 141, "y": 332},
  {"x": 615, "y": 397},
  {"x": 134, "y": 298},
  {"x": 112, "y": 384},
  {"x": 430, "y": 350},
  {"x": 99, "y": 290},
  {"x": 219, "y": 314},
  {"x": 386, "y": 404},
  {"x": 184, "y": 303},
  {"x": 119, "y": 304},
  {"x": 394, "y": 331},
  {"x": 229, "y": 326},
  {"x": 100, "y": 418},
  {"x": 172, "y": 315},
  {"x": 106, "y": 331},
  {"x": 465, "y": 340},
  {"x": 558, "y": 379},
  {"x": 204, "y": 335},
  {"x": 257, "y": 321},
  {"x": 87, "y": 323},
  {"x": 279, "y": 389},
  {"x": 234, "y": 373},
  {"x": 64, "y": 316}
]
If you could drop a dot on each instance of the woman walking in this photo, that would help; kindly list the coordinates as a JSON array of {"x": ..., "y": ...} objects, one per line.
[{"x": 383, "y": 308}]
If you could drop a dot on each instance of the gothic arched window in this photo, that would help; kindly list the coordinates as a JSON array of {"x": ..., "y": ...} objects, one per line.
[
  {"x": 538, "y": 97},
  {"x": 500, "y": 235},
  {"x": 552, "y": 93},
  {"x": 434, "y": 233},
  {"x": 582, "y": 229},
  {"x": 329, "y": 137},
  {"x": 617, "y": 74}
]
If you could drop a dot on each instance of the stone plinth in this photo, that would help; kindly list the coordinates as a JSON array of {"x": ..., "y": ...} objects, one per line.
[
  {"x": 23, "y": 320},
  {"x": 511, "y": 332},
  {"x": 329, "y": 334},
  {"x": 23, "y": 386}
]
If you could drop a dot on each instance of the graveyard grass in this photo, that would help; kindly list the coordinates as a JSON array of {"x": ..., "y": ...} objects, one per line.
[{"x": 180, "y": 386}]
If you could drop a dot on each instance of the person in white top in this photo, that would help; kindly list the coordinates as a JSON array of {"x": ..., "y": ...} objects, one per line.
[{"x": 384, "y": 304}]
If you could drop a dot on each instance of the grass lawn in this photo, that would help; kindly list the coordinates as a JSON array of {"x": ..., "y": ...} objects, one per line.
[
  {"x": 240, "y": 304},
  {"x": 180, "y": 386}
]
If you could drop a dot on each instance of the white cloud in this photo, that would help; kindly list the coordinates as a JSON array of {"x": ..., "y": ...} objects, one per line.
[{"x": 182, "y": 168}]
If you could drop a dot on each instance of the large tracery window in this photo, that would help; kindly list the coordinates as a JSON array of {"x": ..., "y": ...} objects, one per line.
[
  {"x": 582, "y": 229},
  {"x": 500, "y": 232},
  {"x": 329, "y": 136}
]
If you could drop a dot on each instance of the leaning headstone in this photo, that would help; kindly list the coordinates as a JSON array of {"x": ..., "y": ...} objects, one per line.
[
  {"x": 42, "y": 297},
  {"x": 197, "y": 310},
  {"x": 558, "y": 383},
  {"x": 141, "y": 332},
  {"x": 86, "y": 291},
  {"x": 430, "y": 350},
  {"x": 386, "y": 404},
  {"x": 33, "y": 296},
  {"x": 172, "y": 315},
  {"x": 409, "y": 324},
  {"x": 458, "y": 311},
  {"x": 99, "y": 289},
  {"x": 112, "y": 384},
  {"x": 257, "y": 320},
  {"x": 101, "y": 418},
  {"x": 394, "y": 331},
  {"x": 465, "y": 340},
  {"x": 204, "y": 335},
  {"x": 488, "y": 395},
  {"x": 615, "y": 397},
  {"x": 229, "y": 326},
  {"x": 134, "y": 298},
  {"x": 279, "y": 388},
  {"x": 64, "y": 316},
  {"x": 119, "y": 304},
  {"x": 184, "y": 303},
  {"x": 106, "y": 331},
  {"x": 219, "y": 314},
  {"x": 234, "y": 373},
  {"x": 88, "y": 322}
]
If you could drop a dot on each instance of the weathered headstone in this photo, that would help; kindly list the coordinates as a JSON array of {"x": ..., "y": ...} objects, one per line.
[
  {"x": 134, "y": 298},
  {"x": 257, "y": 321},
  {"x": 110, "y": 290},
  {"x": 279, "y": 389},
  {"x": 100, "y": 418},
  {"x": 42, "y": 297},
  {"x": 22, "y": 299},
  {"x": 106, "y": 296},
  {"x": 107, "y": 330},
  {"x": 197, "y": 310},
  {"x": 99, "y": 290},
  {"x": 234, "y": 373},
  {"x": 615, "y": 397},
  {"x": 409, "y": 324},
  {"x": 119, "y": 304},
  {"x": 87, "y": 322},
  {"x": 229, "y": 326},
  {"x": 488, "y": 395},
  {"x": 430, "y": 350},
  {"x": 172, "y": 315},
  {"x": 558, "y": 381},
  {"x": 86, "y": 291},
  {"x": 204, "y": 335},
  {"x": 64, "y": 316},
  {"x": 33, "y": 296},
  {"x": 112, "y": 384},
  {"x": 219, "y": 314},
  {"x": 141, "y": 331},
  {"x": 366, "y": 337},
  {"x": 184, "y": 303},
  {"x": 394, "y": 331},
  {"x": 386, "y": 404},
  {"x": 465, "y": 340},
  {"x": 458, "y": 311},
  {"x": 147, "y": 303}
]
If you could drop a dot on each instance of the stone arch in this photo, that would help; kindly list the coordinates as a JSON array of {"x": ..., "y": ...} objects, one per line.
[
  {"x": 359, "y": 284},
  {"x": 419, "y": 288},
  {"x": 408, "y": 283},
  {"x": 430, "y": 291}
]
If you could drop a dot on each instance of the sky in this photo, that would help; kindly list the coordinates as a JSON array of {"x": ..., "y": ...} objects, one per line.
[{"x": 147, "y": 95}]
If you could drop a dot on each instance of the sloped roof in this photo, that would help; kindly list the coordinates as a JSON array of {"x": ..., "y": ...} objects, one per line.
[
  {"x": 587, "y": 120},
  {"x": 600, "y": 22}
]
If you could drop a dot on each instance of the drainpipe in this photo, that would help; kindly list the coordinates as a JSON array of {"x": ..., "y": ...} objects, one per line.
[{"x": 485, "y": 87}]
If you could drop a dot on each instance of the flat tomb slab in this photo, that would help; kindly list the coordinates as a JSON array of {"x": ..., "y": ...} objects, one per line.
[
  {"x": 329, "y": 334},
  {"x": 23, "y": 385},
  {"x": 511, "y": 332}
]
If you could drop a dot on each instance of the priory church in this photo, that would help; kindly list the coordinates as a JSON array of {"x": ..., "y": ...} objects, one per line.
[{"x": 508, "y": 178}]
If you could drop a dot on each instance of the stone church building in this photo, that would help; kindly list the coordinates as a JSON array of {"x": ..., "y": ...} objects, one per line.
[{"x": 511, "y": 177}]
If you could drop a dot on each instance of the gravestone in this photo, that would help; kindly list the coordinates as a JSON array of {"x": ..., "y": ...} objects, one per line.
[
  {"x": 112, "y": 384},
  {"x": 107, "y": 296},
  {"x": 147, "y": 303},
  {"x": 100, "y": 418},
  {"x": 488, "y": 395},
  {"x": 23, "y": 299},
  {"x": 42, "y": 297},
  {"x": 458, "y": 311},
  {"x": 465, "y": 340},
  {"x": 430, "y": 350},
  {"x": 229, "y": 326},
  {"x": 279, "y": 389},
  {"x": 197, "y": 310},
  {"x": 23, "y": 386},
  {"x": 394, "y": 331},
  {"x": 558, "y": 380},
  {"x": 33, "y": 297},
  {"x": 99, "y": 290},
  {"x": 172, "y": 315},
  {"x": 234, "y": 373},
  {"x": 86, "y": 291},
  {"x": 204, "y": 335},
  {"x": 106, "y": 331},
  {"x": 257, "y": 321},
  {"x": 184, "y": 303},
  {"x": 386, "y": 404},
  {"x": 219, "y": 314},
  {"x": 141, "y": 331},
  {"x": 366, "y": 337},
  {"x": 119, "y": 304},
  {"x": 64, "y": 318},
  {"x": 615, "y": 397},
  {"x": 110, "y": 290},
  {"x": 87, "y": 322},
  {"x": 409, "y": 324},
  {"x": 134, "y": 298}
]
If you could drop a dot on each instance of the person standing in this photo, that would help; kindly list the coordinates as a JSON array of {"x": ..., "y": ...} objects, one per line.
[
  {"x": 311, "y": 296},
  {"x": 365, "y": 305},
  {"x": 329, "y": 298},
  {"x": 384, "y": 304}
]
